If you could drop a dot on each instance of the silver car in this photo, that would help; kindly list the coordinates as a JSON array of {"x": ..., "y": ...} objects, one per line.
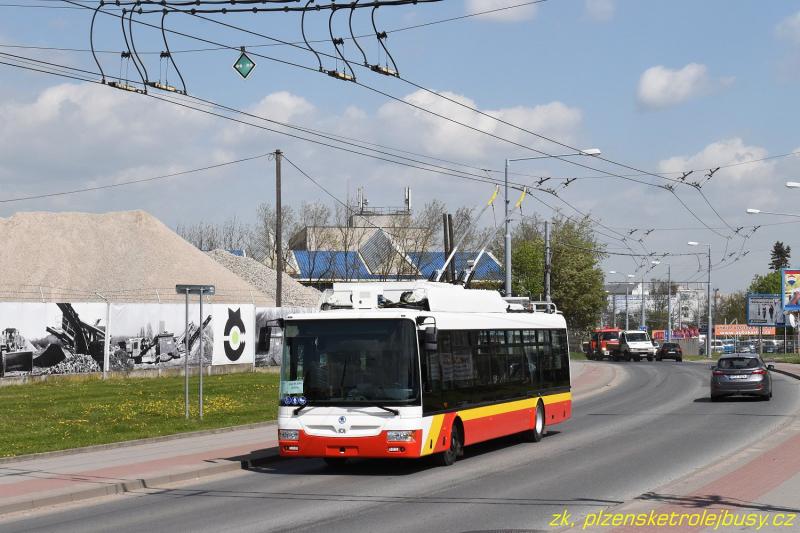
[{"x": 741, "y": 374}]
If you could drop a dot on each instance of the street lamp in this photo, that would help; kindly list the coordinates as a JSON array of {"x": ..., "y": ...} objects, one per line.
[
  {"x": 708, "y": 297},
  {"x": 591, "y": 152},
  {"x": 751, "y": 211},
  {"x": 627, "y": 289}
]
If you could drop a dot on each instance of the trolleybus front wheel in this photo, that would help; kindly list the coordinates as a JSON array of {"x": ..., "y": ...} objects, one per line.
[{"x": 456, "y": 449}]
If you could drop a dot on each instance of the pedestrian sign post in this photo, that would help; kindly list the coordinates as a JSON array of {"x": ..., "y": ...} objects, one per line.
[{"x": 244, "y": 65}]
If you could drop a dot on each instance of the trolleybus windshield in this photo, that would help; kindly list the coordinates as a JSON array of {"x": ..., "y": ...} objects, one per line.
[{"x": 344, "y": 362}]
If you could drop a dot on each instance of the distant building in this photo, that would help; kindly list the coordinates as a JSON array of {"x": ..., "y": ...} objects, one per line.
[{"x": 377, "y": 244}]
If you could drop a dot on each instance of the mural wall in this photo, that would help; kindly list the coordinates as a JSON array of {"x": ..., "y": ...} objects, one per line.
[{"x": 60, "y": 338}]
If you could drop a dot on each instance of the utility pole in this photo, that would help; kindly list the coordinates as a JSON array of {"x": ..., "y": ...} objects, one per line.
[
  {"x": 508, "y": 236},
  {"x": 613, "y": 308},
  {"x": 708, "y": 298},
  {"x": 669, "y": 303},
  {"x": 627, "y": 316},
  {"x": 642, "y": 323},
  {"x": 547, "y": 262},
  {"x": 278, "y": 231}
]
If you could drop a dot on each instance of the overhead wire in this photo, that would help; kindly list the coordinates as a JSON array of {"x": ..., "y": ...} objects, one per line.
[{"x": 426, "y": 110}]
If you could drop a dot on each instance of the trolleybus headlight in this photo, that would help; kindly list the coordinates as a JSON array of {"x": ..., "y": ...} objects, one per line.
[
  {"x": 399, "y": 436},
  {"x": 288, "y": 434}
]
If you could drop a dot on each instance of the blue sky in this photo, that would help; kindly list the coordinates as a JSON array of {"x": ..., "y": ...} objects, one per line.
[{"x": 660, "y": 85}]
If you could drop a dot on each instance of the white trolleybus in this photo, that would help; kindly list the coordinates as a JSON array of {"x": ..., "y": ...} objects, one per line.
[{"x": 409, "y": 369}]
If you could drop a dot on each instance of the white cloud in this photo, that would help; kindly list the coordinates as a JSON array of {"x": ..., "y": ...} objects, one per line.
[
  {"x": 661, "y": 87},
  {"x": 76, "y": 135},
  {"x": 600, "y": 10},
  {"x": 789, "y": 28},
  {"x": 723, "y": 153},
  {"x": 432, "y": 135},
  {"x": 516, "y": 14},
  {"x": 281, "y": 106}
]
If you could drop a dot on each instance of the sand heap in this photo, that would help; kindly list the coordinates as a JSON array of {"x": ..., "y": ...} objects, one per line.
[
  {"x": 264, "y": 279},
  {"x": 124, "y": 256}
]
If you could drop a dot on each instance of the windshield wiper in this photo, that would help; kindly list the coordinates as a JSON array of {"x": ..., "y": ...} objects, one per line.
[
  {"x": 395, "y": 412},
  {"x": 298, "y": 409}
]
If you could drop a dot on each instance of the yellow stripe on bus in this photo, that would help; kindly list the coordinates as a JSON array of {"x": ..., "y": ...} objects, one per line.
[
  {"x": 433, "y": 435},
  {"x": 557, "y": 398},
  {"x": 502, "y": 408}
]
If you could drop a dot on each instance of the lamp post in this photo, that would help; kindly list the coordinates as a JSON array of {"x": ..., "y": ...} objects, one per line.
[
  {"x": 588, "y": 152},
  {"x": 668, "y": 334},
  {"x": 627, "y": 289},
  {"x": 709, "y": 329}
]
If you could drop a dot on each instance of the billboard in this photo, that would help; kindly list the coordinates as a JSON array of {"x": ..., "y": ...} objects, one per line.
[
  {"x": 790, "y": 289},
  {"x": 735, "y": 330},
  {"x": 764, "y": 310}
]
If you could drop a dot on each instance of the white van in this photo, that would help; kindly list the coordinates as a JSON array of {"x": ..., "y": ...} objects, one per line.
[{"x": 633, "y": 345}]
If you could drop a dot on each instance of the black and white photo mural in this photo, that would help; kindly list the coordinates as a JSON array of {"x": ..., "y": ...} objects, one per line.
[{"x": 51, "y": 338}]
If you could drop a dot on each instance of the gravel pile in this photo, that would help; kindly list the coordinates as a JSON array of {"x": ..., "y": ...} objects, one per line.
[
  {"x": 125, "y": 256},
  {"x": 264, "y": 279}
]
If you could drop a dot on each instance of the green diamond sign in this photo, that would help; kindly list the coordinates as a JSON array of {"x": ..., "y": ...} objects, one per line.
[{"x": 244, "y": 65}]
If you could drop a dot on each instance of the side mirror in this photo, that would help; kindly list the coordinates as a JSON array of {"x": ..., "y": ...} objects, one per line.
[
  {"x": 276, "y": 323},
  {"x": 431, "y": 339},
  {"x": 714, "y": 367}
]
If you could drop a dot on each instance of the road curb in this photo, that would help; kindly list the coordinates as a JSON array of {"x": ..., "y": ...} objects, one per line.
[
  {"x": 786, "y": 373},
  {"x": 265, "y": 456},
  {"x": 136, "y": 442}
]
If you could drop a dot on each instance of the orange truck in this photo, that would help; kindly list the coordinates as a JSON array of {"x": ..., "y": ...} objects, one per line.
[{"x": 604, "y": 343}]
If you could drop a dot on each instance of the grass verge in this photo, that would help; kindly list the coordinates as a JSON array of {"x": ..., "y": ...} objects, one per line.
[{"x": 66, "y": 414}]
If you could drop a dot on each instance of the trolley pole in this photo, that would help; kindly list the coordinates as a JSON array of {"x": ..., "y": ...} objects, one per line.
[{"x": 278, "y": 231}]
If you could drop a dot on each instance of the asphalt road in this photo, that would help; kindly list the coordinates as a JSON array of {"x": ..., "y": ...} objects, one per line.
[{"x": 656, "y": 426}]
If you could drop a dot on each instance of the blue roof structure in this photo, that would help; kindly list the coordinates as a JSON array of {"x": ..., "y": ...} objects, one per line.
[
  {"x": 331, "y": 265},
  {"x": 487, "y": 269},
  {"x": 350, "y": 266}
]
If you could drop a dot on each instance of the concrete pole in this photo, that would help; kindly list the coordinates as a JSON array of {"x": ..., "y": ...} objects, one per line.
[
  {"x": 642, "y": 323},
  {"x": 548, "y": 261},
  {"x": 669, "y": 303},
  {"x": 627, "y": 316},
  {"x": 508, "y": 236},
  {"x": 278, "y": 232},
  {"x": 614, "y": 309},
  {"x": 708, "y": 297}
]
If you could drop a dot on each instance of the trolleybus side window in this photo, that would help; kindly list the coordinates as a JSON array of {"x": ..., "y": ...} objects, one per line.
[{"x": 474, "y": 367}]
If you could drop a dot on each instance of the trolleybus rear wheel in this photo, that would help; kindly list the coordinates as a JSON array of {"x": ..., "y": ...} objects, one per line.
[{"x": 535, "y": 434}]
